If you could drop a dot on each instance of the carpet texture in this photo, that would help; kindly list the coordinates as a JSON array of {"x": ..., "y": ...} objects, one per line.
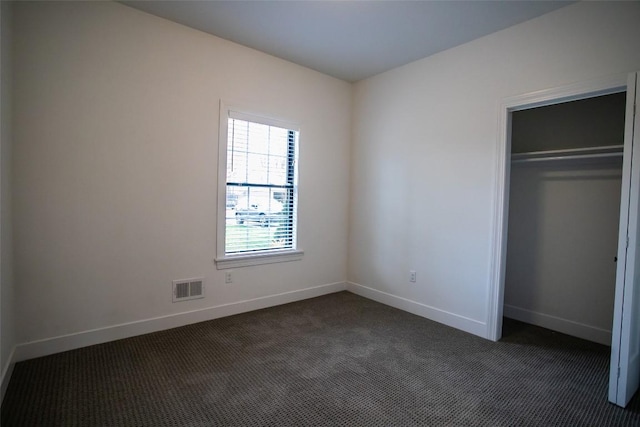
[{"x": 336, "y": 360}]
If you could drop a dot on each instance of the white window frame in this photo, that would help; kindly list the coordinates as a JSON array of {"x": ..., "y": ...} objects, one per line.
[{"x": 224, "y": 260}]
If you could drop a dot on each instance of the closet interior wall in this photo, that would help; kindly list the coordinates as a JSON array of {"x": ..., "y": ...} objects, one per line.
[{"x": 564, "y": 214}]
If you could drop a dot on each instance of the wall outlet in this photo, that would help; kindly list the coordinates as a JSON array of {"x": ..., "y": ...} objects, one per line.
[
  {"x": 228, "y": 278},
  {"x": 412, "y": 276}
]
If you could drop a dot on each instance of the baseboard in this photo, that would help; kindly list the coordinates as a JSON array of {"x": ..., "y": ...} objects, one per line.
[
  {"x": 7, "y": 370},
  {"x": 558, "y": 324},
  {"x": 73, "y": 341},
  {"x": 441, "y": 316}
]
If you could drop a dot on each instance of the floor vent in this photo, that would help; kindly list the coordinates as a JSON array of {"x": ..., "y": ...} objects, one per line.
[{"x": 187, "y": 289}]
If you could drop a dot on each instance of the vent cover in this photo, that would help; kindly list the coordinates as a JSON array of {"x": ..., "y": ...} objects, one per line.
[{"x": 187, "y": 289}]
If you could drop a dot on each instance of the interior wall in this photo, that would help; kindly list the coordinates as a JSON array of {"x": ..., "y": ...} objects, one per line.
[
  {"x": 115, "y": 166},
  {"x": 7, "y": 300},
  {"x": 591, "y": 122},
  {"x": 562, "y": 240},
  {"x": 564, "y": 219},
  {"x": 424, "y": 153}
]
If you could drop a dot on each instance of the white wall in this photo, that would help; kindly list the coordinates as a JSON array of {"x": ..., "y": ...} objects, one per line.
[
  {"x": 424, "y": 153},
  {"x": 562, "y": 240},
  {"x": 591, "y": 122},
  {"x": 115, "y": 169},
  {"x": 7, "y": 300}
]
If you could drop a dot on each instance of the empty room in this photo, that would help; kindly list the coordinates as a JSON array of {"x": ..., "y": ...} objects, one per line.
[{"x": 283, "y": 213}]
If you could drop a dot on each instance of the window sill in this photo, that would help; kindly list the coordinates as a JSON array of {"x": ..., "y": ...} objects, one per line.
[{"x": 246, "y": 260}]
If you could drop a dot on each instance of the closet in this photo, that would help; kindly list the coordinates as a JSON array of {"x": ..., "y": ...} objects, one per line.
[{"x": 564, "y": 211}]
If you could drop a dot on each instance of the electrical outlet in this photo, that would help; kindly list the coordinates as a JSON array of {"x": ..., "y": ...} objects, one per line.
[
  {"x": 412, "y": 276},
  {"x": 228, "y": 278}
]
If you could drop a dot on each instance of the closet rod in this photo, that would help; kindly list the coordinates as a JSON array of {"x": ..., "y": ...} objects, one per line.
[
  {"x": 568, "y": 157},
  {"x": 569, "y": 154}
]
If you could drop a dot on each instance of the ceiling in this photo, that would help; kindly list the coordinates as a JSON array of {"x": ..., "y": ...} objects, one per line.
[{"x": 350, "y": 40}]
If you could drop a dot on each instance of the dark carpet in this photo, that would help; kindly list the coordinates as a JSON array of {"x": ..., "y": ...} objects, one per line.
[{"x": 336, "y": 360}]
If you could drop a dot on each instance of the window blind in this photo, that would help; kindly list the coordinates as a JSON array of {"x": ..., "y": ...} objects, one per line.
[{"x": 261, "y": 187}]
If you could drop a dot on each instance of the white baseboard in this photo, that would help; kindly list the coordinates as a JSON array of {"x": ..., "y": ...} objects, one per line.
[
  {"x": 7, "y": 370},
  {"x": 450, "y": 319},
  {"x": 558, "y": 324},
  {"x": 73, "y": 341}
]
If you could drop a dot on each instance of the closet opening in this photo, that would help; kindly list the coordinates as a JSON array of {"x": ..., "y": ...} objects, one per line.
[
  {"x": 561, "y": 167},
  {"x": 564, "y": 195}
]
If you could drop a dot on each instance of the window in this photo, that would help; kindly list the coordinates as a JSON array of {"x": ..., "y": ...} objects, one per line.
[{"x": 257, "y": 196}]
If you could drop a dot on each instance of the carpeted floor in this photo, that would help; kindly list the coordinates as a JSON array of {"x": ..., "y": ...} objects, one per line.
[{"x": 336, "y": 360}]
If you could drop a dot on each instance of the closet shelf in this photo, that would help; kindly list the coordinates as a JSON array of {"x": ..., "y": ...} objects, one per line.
[{"x": 569, "y": 154}]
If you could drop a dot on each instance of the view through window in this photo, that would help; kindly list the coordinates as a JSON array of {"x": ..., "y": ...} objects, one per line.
[{"x": 260, "y": 188}]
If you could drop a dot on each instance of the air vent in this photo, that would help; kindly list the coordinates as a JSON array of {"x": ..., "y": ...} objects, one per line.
[{"x": 187, "y": 289}]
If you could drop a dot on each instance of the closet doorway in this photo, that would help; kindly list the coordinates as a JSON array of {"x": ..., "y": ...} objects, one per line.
[
  {"x": 575, "y": 166},
  {"x": 564, "y": 215}
]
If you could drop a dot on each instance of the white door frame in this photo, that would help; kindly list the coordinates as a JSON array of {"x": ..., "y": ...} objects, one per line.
[
  {"x": 583, "y": 90},
  {"x": 625, "y": 361}
]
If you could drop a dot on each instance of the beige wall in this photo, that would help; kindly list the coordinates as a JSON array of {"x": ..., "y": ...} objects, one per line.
[
  {"x": 115, "y": 165},
  {"x": 424, "y": 153}
]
